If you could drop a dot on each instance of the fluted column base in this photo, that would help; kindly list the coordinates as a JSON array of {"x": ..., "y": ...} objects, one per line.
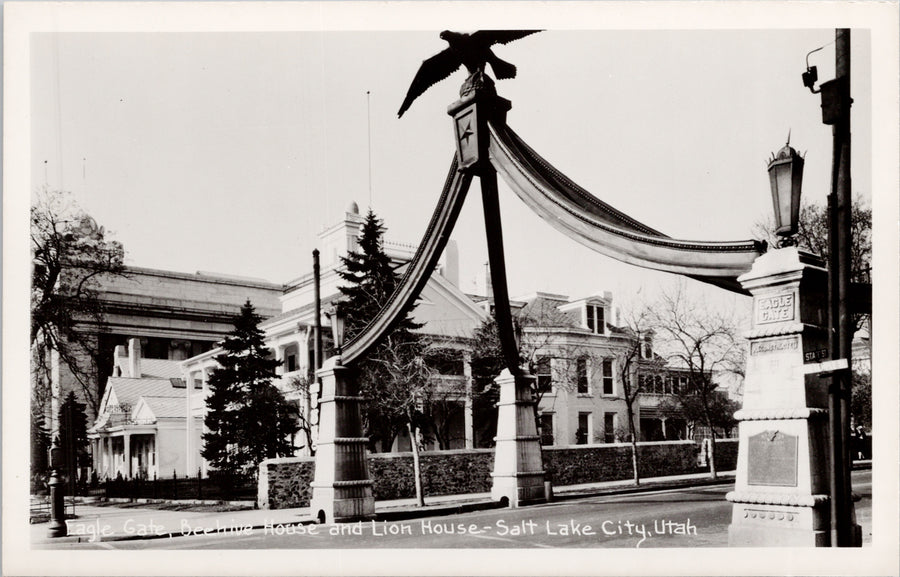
[
  {"x": 518, "y": 470},
  {"x": 342, "y": 489}
]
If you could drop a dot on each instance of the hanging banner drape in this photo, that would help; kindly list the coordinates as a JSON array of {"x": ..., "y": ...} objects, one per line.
[
  {"x": 571, "y": 210},
  {"x": 597, "y": 225}
]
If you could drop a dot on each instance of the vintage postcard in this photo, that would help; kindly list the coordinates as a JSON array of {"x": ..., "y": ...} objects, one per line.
[{"x": 509, "y": 288}]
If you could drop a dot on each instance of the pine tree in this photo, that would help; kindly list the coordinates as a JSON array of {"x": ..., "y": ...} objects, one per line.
[
  {"x": 370, "y": 281},
  {"x": 370, "y": 278},
  {"x": 247, "y": 418},
  {"x": 72, "y": 437}
]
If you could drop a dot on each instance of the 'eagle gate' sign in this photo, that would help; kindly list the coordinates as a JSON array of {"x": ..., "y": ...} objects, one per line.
[{"x": 775, "y": 309}]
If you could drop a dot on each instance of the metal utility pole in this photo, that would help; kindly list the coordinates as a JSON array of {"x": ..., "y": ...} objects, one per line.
[
  {"x": 836, "y": 104},
  {"x": 317, "y": 352}
]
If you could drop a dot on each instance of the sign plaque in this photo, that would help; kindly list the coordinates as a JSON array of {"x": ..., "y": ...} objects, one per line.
[
  {"x": 772, "y": 459},
  {"x": 775, "y": 309},
  {"x": 771, "y": 346}
]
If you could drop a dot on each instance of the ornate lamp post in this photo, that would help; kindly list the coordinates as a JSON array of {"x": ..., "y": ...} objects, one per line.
[
  {"x": 57, "y": 526},
  {"x": 786, "y": 178},
  {"x": 337, "y": 316}
]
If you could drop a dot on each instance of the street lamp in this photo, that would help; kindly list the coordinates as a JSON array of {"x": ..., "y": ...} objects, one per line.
[
  {"x": 336, "y": 316},
  {"x": 57, "y": 527},
  {"x": 786, "y": 178}
]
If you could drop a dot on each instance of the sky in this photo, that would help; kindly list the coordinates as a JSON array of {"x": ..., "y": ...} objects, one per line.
[{"x": 229, "y": 151}]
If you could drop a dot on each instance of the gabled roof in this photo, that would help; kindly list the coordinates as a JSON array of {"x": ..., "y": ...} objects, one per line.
[
  {"x": 544, "y": 312},
  {"x": 166, "y": 407},
  {"x": 128, "y": 391},
  {"x": 160, "y": 368}
]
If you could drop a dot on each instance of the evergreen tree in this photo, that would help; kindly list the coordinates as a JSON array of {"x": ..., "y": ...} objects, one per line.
[
  {"x": 247, "y": 418},
  {"x": 370, "y": 281},
  {"x": 73, "y": 441}
]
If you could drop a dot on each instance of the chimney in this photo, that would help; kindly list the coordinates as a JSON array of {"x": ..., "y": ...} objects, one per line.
[
  {"x": 450, "y": 265},
  {"x": 134, "y": 358}
]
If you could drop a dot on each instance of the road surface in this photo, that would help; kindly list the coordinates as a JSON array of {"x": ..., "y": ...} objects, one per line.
[{"x": 692, "y": 517}]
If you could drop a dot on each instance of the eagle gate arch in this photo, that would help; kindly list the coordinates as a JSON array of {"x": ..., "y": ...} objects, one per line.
[{"x": 779, "y": 495}]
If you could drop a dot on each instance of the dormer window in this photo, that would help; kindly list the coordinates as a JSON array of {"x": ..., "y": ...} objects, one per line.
[{"x": 596, "y": 319}]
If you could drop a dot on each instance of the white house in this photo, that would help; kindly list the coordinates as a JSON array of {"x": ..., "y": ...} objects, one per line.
[{"x": 140, "y": 430}]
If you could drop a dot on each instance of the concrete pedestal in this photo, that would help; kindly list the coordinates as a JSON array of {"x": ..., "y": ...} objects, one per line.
[
  {"x": 342, "y": 489},
  {"x": 518, "y": 471},
  {"x": 782, "y": 484}
]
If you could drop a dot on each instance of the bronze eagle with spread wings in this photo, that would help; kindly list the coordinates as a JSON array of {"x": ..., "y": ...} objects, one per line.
[{"x": 470, "y": 50}]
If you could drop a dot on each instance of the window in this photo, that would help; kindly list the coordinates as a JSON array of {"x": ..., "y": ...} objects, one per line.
[
  {"x": 595, "y": 319},
  {"x": 609, "y": 427},
  {"x": 583, "y": 434},
  {"x": 446, "y": 361},
  {"x": 582, "y": 369},
  {"x": 291, "y": 362},
  {"x": 608, "y": 388},
  {"x": 544, "y": 375},
  {"x": 546, "y": 428}
]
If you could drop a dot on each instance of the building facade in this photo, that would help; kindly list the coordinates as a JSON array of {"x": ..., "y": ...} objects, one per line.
[{"x": 153, "y": 423}]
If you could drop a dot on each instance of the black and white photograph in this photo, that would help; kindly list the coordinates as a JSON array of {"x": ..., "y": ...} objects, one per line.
[{"x": 450, "y": 288}]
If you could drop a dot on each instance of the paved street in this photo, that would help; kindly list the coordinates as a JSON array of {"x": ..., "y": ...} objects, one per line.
[{"x": 692, "y": 517}]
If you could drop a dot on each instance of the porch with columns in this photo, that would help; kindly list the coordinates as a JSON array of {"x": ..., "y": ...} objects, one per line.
[{"x": 129, "y": 453}]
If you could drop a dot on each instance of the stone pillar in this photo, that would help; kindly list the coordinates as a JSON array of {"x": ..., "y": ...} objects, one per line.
[
  {"x": 782, "y": 484},
  {"x": 342, "y": 489},
  {"x": 518, "y": 471},
  {"x": 468, "y": 412}
]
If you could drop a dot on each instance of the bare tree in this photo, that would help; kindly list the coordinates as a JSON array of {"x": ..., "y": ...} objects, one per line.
[
  {"x": 403, "y": 381},
  {"x": 305, "y": 420},
  {"x": 70, "y": 254},
  {"x": 634, "y": 358},
  {"x": 702, "y": 342}
]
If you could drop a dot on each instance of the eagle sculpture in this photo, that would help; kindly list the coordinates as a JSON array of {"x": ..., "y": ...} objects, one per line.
[{"x": 470, "y": 50}]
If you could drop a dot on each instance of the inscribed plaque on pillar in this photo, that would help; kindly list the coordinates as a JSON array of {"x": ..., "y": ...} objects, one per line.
[
  {"x": 775, "y": 309},
  {"x": 772, "y": 346},
  {"x": 772, "y": 459}
]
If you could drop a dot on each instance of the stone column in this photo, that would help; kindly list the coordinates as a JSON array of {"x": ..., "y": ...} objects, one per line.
[
  {"x": 468, "y": 412},
  {"x": 782, "y": 484},
  {"x": 518, "y": 471},
  {"x": 342, "y": 489}
]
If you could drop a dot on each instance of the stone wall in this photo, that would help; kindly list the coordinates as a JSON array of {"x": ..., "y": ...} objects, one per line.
[
  {"x": 594, "y": 463},
  {"x": 284, "y": 482}
]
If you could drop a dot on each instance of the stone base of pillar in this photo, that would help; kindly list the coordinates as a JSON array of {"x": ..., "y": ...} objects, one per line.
[
  {"x": 518, "y": 475},
  {"x": 342, "y": 489},
  {"x": 763, "y": 535},
  {"x": 340, "y": 503}
]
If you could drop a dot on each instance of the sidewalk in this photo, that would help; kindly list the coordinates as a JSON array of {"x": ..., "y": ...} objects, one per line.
[{"x": 112, "y": 523}]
